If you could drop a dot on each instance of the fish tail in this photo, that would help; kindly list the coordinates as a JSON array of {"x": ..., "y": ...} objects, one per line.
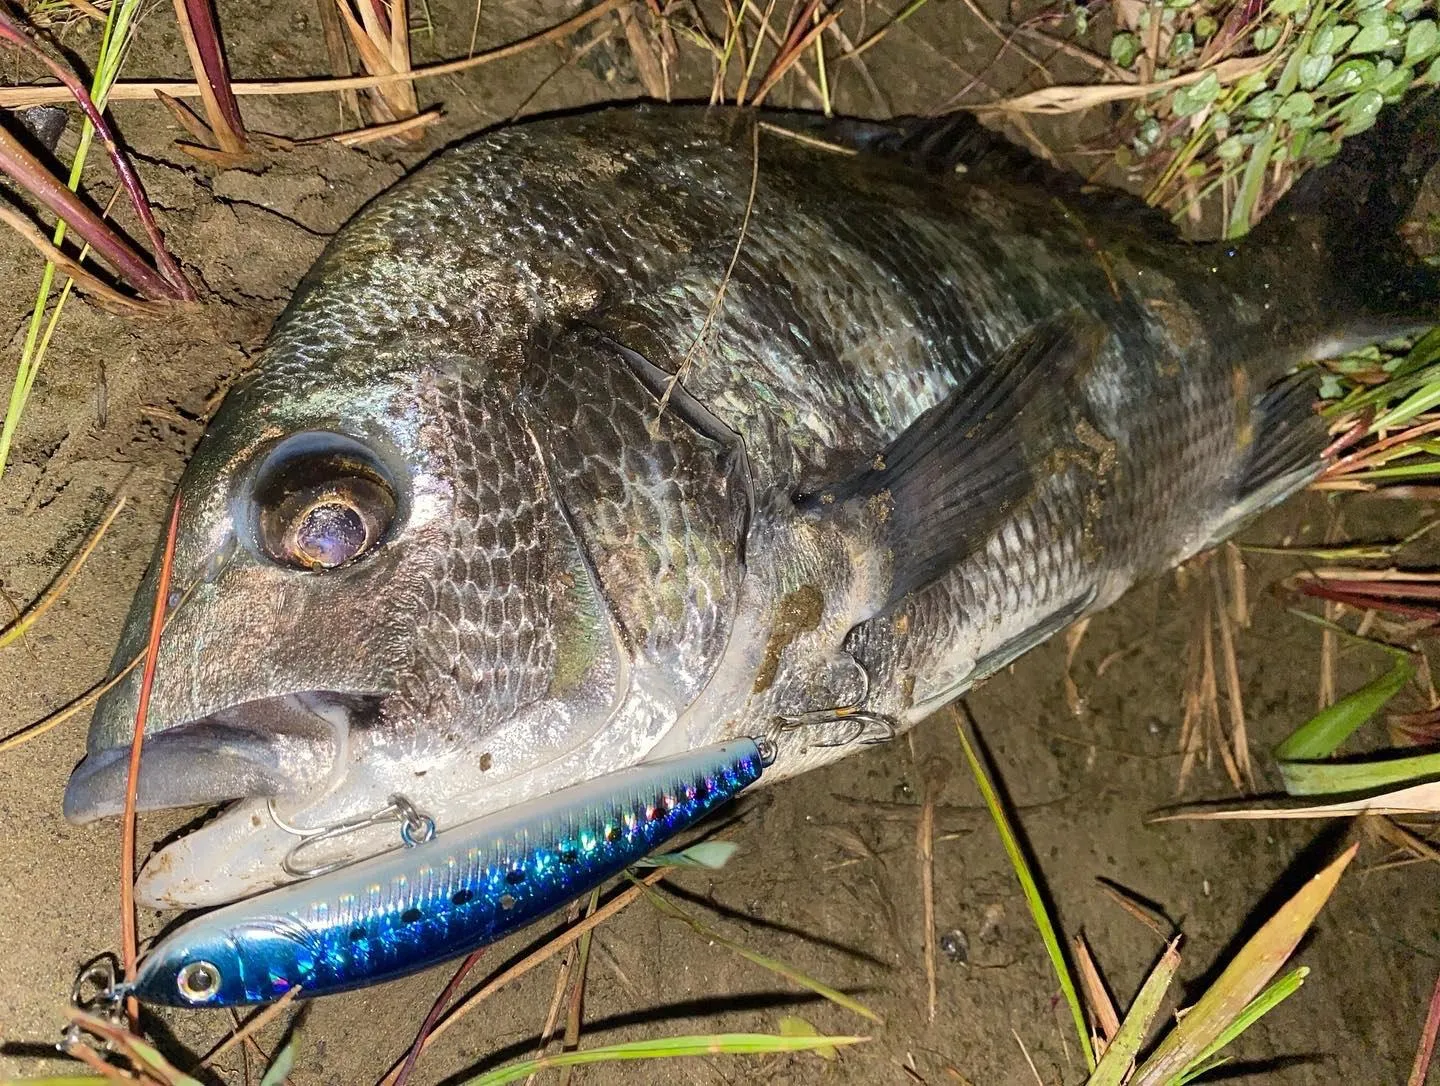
[{"x": 1349, "y": 214}]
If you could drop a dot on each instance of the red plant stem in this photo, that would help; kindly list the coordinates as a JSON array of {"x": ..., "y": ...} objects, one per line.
[
  {"x": 1362, "y": 602},
  {"x": 1362, "y": 456},
  {"x": 129, "y": 179},
  {"x": 32, "y": 176},
  {"x": 206, "y": 31},
  {"x": 1421, "y": 1070},
  {"x": 129, "y": 941},
  {"x": 441, "y": 1002}
]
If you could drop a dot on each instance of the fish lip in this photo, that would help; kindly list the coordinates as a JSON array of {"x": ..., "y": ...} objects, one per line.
[{"x": 279, "y": 745}]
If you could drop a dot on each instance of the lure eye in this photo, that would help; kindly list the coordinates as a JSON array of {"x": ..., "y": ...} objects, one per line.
[
  {"x": 321, "y": 509},
  {"x": 198, "y": 981}
]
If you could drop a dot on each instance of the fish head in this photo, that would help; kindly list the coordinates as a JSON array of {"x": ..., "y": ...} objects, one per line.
[{"x": 400, "y": 572}]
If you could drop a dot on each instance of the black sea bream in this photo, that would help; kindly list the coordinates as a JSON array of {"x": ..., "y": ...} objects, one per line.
[{"x": 530, "y": 483}]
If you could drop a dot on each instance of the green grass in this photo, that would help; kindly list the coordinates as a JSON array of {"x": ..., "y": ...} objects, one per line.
[
  {"x": 1245, "y": 991},
  {"x": 114, "y": 42}
]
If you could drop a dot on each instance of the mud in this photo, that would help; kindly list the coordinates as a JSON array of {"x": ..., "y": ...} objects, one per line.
[{"x": 827, "y": 878}]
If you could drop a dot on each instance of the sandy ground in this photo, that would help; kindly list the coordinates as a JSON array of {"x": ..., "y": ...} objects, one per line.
[{"x": 827, "y": 876}]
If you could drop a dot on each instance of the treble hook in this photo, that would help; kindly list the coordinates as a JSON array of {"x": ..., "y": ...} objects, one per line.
[
  {"x": 416, "y": 828},
  {"x": 97, "y": 990}
]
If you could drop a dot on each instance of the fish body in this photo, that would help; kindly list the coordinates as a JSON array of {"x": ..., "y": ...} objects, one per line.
[
  {"x": 402, "y": 912},
  {"x": 615, "y": 435}
]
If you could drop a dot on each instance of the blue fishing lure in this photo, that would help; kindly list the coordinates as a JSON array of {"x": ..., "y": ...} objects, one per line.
[{"x": 410, "y": 909}]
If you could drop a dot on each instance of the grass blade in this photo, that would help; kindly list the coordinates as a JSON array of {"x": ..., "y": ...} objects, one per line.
[
  {"x": 1258, "y": 1007},
  {"x": 1121, "y": 1053},
  {"x": 664, "y": 1048},
  {"x": 1243, "y": 979},
  {"x": 1322, "y": 734},
  {"x": 1032, "y": 893}
]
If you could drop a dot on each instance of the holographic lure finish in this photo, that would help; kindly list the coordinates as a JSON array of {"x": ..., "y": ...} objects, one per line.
[{"x": 407, "y": 910}]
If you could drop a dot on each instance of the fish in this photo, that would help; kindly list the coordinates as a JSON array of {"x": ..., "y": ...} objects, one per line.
[
  {"x": 607, "y": 436},
  {"x": 401, "y": 912}
]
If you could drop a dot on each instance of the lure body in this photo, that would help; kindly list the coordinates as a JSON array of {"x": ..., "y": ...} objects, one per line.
[{"x": 410, "y": 909}]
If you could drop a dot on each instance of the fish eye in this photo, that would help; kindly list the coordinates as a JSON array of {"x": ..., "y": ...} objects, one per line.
[
  {"x": 322, "y": 507},
  {"x": 198, "y": 981}
]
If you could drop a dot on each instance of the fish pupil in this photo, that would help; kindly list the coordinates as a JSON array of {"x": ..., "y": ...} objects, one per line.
[{"x": 330, "y": 533}]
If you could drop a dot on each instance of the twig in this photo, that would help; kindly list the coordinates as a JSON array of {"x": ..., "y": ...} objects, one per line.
[
  {"x": 1239, "y": 739},
  {"x": 82, "y": 277},
  {"x": 562, "y": 984},
  {"x": 23, "y": 97},
  {"x": 935, "y": 777},
  {"x": 441, "y": 1002},
  {"x": 339, "y": 56},
  {"x": 1426, "y": 1051},
  {"x": 577, "y": 990},
  {"x": 129, "y": 942},
  {"x": 57, "y": 588},
  {"x": 129, "y": 179},
  {"x": 258, "y": 1021},
  {"x": 201, "y": 35}
]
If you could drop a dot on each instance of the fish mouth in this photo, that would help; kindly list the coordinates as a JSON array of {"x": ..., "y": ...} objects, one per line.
[{"x": 282, "y": 745}]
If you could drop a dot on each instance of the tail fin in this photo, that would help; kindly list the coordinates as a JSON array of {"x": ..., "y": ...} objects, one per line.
[{"x": 1351, "y": 211}]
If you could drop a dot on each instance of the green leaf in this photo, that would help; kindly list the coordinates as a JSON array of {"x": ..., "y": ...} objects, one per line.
[
  {"x": 1315, "y": 68},
  {"x": 1343, "y": 33},
  {"x": 1421, "y": 41},
  {"x": 1299, "y": 104},
  {"x": 1286, "y": 7},
  {"x": 1263, "y": 106},
  {"x": 1432, "y": 75},
  {"x": 1182, "y": 45},
  {"x": 1031, "y": 891},
  {"x": 1374, "y": 38},
  {"x": 1349, "y": 76},
  {"x": 280, "y": 1066},
  {"x": 710, "y": 854},
  {"x": 1228, "y": 999},
  {"x": 1230, "y": 149},
  {"x": 663, "y": 1048},
  {"x": 1362, "y": 111},
  {"x": 1191, "y": 99},
  {"x": 1266, "y": 37},
  {"x": 1322, "y": 734},
  {"x": 1124, "y": 48},
  {"x": 1393, "y": 86}
]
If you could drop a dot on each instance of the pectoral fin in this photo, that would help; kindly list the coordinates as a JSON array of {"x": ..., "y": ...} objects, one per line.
[{"x": 945, "y": 484}]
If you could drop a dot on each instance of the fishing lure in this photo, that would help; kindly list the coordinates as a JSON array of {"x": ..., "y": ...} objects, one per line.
[{"x": 407, "y": 910}]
